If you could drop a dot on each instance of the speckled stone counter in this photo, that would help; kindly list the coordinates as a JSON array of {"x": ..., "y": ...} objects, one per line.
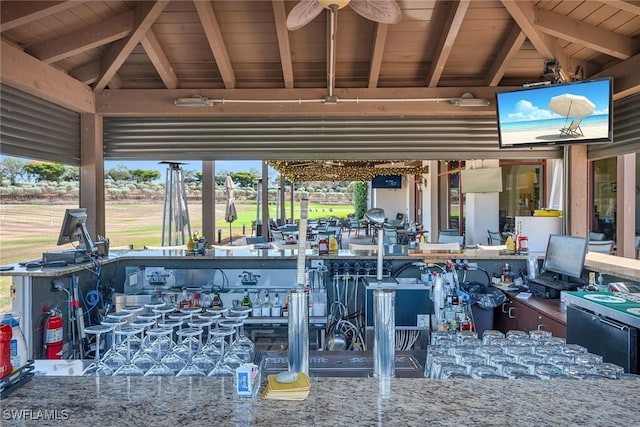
[{"x": 110, "y": 401}]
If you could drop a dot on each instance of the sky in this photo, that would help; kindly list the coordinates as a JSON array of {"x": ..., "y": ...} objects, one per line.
[{"x": 533, "y": 103}]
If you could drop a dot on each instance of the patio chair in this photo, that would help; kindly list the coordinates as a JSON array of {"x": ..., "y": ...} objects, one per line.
[
  {"x": 602, "y": 246},
  {"x": 573, "y": 129},
  {"x": 595, "y": 236},
  {"x": 495, "y": 238},
  {"x": 445, "y": 238}
]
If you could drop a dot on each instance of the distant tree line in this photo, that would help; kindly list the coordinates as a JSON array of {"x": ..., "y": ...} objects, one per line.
[{"x": 35, "y": 179}]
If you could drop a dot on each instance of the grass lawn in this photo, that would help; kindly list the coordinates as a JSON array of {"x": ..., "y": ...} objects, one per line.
[{"x": 28, "y": 230}]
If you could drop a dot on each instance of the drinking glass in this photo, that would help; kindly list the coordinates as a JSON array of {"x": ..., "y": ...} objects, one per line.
[
  {"x": 222, "y": 369},
  {"x": 244, "y": 348},
  {"x": 189, "y": 369},
  {"x": 450, "y": 371},
  {"x": 232, "y": 357},
  {"x": 112, "y": 358},
  {"x": 97, "y": 367},
  {"x": 159, "y": 368},
  {"x": 128, "y": 369},
  {"x": 438, "y": 362},
  {"x": 182, "y": 345},
  {"x": 588, "y": 359},
  {"x": 212, "y": 347},
  {"x": 142, "y": 358},
  {"x": 547, "y": 371},
  {"x": 200, "y": 359}
]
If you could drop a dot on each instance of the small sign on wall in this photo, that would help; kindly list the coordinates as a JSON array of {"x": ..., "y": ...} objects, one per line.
[{"x": 483, "y": 180}]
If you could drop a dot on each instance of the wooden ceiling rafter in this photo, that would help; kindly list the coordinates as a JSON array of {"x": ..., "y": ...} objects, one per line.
[
  {"x": 629, "y": 5},
  {"x": 510, "y": 48},
  {"x": 16, "y": 13},
  {"x": 159, "y": 59},
  {"x": 284, "y": 46},
  {"x": 216, "y": 42},
  {"x": 84, "y": 39},
  {"x": 523, "y": 13},
  {"x": 117, "y": 53},
  {"x": 446, "y": 41},
  {"x": 377, "y": 52},
  {"x": 596, "y": 38}
]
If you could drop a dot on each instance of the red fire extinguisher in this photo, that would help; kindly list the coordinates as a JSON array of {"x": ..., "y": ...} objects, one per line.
[{"x": 53, "y": 340}]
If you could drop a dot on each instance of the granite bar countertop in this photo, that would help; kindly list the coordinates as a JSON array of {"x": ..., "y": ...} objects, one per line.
[{"x": 172, "y": 401}]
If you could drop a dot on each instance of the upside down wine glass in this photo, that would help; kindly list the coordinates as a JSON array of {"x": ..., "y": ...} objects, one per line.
[
  {"x": 189, "y": 369},
  {"x": 222, "y": 369},
  {"x": 129, "y": 369},
  {"x": 97, "y": 368},
  {"x": 159, "y": 368}
]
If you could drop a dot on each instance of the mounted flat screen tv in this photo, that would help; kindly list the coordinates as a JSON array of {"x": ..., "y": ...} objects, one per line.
[
  {"x": 386, "y": 181},
  {"x": 568, "y": 113}
]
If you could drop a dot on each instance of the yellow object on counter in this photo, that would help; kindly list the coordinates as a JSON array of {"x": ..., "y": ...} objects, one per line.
[
  {"x": 297, "y": 390},
  {"x": 510, "y": 244},
  {"x": 547, "y": 212}
]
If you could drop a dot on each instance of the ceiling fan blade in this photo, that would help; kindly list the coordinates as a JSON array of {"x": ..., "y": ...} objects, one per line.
[
  {"x": 303, "y": 13},
  {"x": 382, "y": 11}
]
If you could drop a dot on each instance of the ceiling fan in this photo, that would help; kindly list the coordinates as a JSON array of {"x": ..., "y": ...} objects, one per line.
[{"x": 382, "y": 11}]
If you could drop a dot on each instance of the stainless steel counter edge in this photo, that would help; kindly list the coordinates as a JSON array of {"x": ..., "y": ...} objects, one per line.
[
  {"x": 244, "y": 254},
  {"x": 603, "y": 310}
]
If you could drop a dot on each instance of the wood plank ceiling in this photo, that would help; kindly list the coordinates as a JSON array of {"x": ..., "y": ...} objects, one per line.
[{"x": 139, "y": 56}]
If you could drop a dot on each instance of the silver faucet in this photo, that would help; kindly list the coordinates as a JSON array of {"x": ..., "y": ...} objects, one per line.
[{"x": 248, "y": 278}]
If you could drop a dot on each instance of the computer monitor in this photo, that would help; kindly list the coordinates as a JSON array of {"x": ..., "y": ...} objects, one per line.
[
  {"x": 565, "y": 255},
  {"x": 74, "y": 229}
]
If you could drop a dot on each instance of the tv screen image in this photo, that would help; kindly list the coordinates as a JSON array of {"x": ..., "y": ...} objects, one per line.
[
  {"x": 571, "y": 113},
  {"x": 386, "y": 181}
]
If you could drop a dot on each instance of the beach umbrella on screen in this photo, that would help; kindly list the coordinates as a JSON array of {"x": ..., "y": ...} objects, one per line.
[
  {"x": 230, "y": 213},
  {"x": 571, "y": 106}
]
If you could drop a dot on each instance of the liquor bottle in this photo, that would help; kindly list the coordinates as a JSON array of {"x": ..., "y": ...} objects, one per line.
[
  {"x": 196, "y": 301},
  {"x": 246, "y": 301},
  {"x": 184, "y": 301},
  {"x": 217, "y": 302}
]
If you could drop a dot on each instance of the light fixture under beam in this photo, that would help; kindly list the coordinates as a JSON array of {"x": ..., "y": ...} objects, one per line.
[
  {"x": 195, "y": 101},
  {"x": 469, "y": 100}
]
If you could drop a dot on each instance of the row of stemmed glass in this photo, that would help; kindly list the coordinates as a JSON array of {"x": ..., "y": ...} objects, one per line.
[{"x": 157, "y": 353}]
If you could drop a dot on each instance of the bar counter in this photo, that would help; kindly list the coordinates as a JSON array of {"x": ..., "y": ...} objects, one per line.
[{"x": 171, "y": 401}]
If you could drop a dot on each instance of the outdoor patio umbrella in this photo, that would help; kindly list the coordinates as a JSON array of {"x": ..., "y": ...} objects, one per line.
[
  {"x": 230, "y": 213},
  {"x": 571, "y": 106}
]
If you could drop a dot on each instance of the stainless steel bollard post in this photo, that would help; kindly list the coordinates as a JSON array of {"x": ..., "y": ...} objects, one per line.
[
  {"x": 384, "y": 325},
  {"x": 299, "y": 331}
]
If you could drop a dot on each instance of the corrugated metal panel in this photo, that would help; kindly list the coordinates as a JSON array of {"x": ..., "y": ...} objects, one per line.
[
  {"x": 626, "y": 132},
  {"x": 304, "y": 139},
  {"x": 33, "y": 128}
]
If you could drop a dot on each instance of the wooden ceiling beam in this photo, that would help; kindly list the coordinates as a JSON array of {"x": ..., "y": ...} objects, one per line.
[
  {"x": 216, "y": 42},
  {"x": 523, "y": 13},
  {"x": 377, "y": 51},
  {"x": 280, "y": 16},
  {"x": 24, "y": 72},
  {"x": 159, "y": 60},
  {"x": 510, "y": 48},
  {"x": 626, "y": 78},
  {"x": 629, "y": 6},
  {"x": 89, "y": 73},
  {"x": 146, "y": 14},
  {"x": 448, "y": 38},
  {"x": 584, "y": 34},
  {"x": 361, "y": 101},
  {"x": 16, "y": 13},
  {"x": 95, "y": 35}
]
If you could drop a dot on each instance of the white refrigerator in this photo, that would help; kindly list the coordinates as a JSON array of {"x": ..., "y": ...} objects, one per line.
[{"x": 537, "y": 229}]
